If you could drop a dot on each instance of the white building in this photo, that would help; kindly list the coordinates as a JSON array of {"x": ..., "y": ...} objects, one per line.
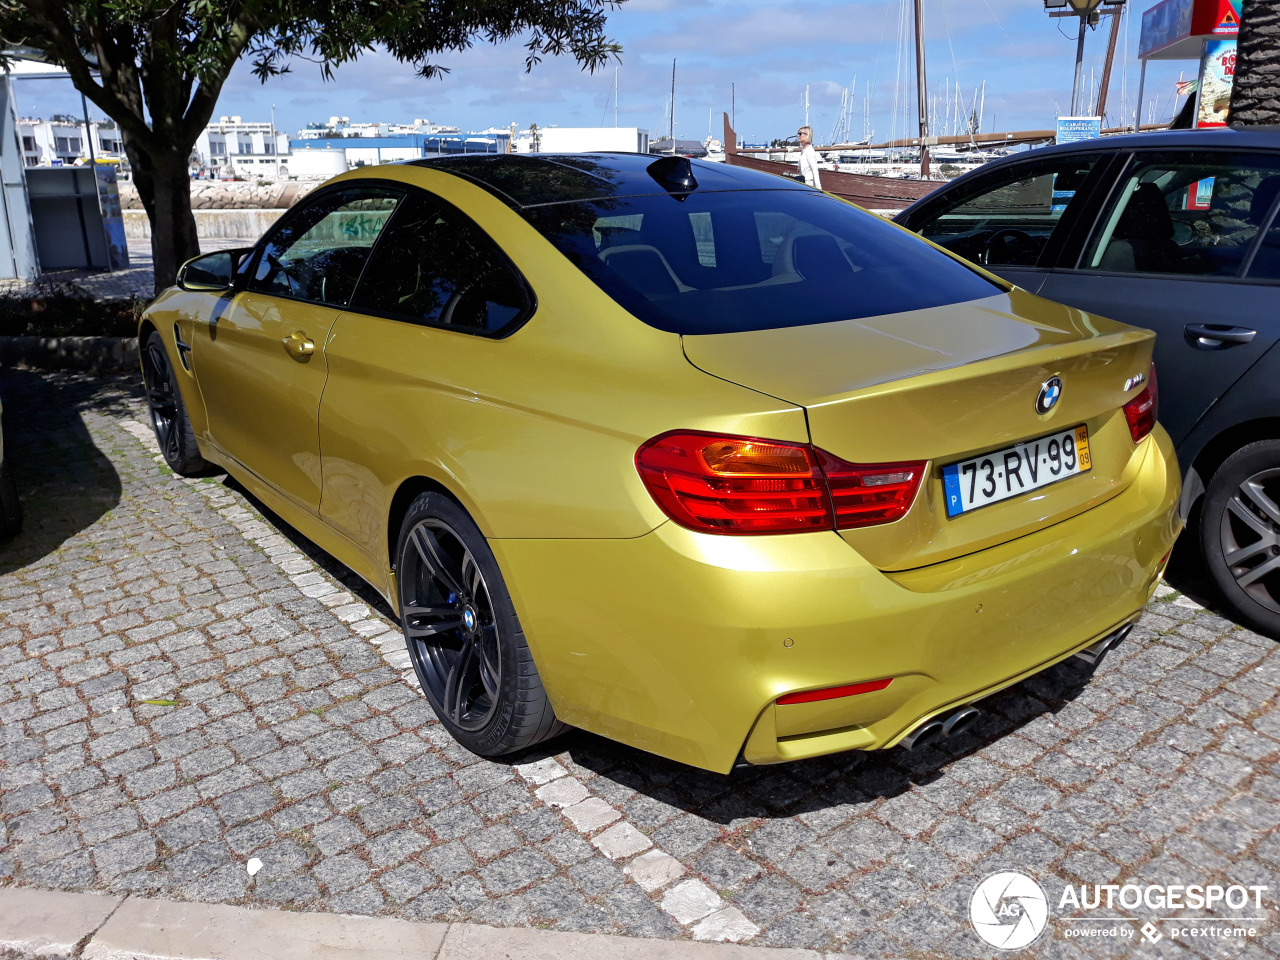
[
  {"x": 581, "y": 140},
  {"x": 251, "y": 149},
  {"x": 59, "y": 143},
  {"x": 343, "y": 127}
]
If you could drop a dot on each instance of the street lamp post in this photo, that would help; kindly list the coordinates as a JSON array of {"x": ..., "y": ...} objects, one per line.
[{"x": 1087, "y": 12}]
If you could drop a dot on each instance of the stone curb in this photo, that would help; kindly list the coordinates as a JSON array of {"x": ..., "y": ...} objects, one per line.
[
  {"x": 88, "y": 354},
  {"x": 93, "y": 926}
]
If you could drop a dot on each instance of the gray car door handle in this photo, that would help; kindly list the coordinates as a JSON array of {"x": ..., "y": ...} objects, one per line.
[{"x": 1214, "y": 336}]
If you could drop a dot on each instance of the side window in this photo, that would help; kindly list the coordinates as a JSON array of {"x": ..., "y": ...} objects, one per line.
[
  {"x": 437, "y": 267},
  {"x": 1191, "y": 214},
  {"x": 1007, "y": 217},
  {"x": 1266, "y": 262},
  {"x": 318, "y": 253}
]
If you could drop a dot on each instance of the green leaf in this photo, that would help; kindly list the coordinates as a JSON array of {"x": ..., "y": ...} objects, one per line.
[{"x": 161, "y": 703}]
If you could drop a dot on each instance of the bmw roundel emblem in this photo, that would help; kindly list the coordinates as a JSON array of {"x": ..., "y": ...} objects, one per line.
[
  {"x": 1050, "y": 391},
  {"x": 469, "y": 618}
]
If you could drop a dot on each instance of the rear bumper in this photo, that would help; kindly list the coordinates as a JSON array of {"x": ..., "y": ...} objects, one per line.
[{"x": 677, "y": 642}]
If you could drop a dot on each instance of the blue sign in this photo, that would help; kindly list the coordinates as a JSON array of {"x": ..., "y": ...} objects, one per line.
[
  {"x": 1165, "y": 24},
  {"x": 1074, "y": 129}
]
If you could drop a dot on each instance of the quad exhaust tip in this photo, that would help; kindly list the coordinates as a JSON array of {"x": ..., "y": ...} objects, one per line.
[
  {"x": 949, "y": 725},
  {"x": 1094, "y": 653}
]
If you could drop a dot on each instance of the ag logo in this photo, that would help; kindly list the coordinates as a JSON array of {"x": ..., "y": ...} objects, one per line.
[{"x": 1009, "y": 910}]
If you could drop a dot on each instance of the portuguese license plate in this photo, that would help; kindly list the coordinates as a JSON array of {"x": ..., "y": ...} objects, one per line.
[{"x": 1003, "y": 474}]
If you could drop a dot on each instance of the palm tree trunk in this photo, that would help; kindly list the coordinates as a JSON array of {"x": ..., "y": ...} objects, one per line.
[{"x": 1255, "y": 94}]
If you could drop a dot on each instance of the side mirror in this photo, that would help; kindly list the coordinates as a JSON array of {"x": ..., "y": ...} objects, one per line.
[{"x": 213, "y": 272}]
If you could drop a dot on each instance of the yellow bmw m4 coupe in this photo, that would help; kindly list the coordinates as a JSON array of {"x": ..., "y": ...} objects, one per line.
[{"x": 692, "y": 457}]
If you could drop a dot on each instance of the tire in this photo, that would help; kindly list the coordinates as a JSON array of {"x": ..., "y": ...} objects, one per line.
[
  {"x": 1240, "y": 534},
  {"x": 10, "y": 505},
  {"x": 169, "y": 417},
  {"x": 463, "y": 636}
]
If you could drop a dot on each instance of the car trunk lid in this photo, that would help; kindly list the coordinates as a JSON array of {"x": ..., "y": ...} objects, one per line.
[{"x": 943, "y": 385}]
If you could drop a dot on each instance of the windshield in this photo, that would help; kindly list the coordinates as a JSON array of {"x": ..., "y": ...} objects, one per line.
[{"x": 724, "y": 262}]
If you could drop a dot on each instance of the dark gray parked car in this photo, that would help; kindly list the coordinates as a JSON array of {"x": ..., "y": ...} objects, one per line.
[{"x": 1178, "y": 232}]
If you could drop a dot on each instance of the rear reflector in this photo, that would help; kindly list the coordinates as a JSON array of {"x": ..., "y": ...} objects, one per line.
[
  {"x": 1142, "y": 410},
  {"x": 833, "y": 693},
  {"x": 745, "y": 485}
]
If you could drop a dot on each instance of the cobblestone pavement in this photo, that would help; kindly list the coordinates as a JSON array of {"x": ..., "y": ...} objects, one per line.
[{"x": 285, "y": 726}]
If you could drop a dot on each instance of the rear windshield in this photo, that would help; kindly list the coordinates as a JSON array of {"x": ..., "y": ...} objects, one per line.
[{"x": 724, "y": 262}]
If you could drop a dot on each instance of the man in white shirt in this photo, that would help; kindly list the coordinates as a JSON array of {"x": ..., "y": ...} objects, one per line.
[{"x": 809, "y": 158}]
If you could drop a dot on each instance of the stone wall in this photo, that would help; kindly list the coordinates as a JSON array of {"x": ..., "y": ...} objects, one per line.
[
  {"x": 233, "y": 194},
  {"x": 222, "y": 224}
]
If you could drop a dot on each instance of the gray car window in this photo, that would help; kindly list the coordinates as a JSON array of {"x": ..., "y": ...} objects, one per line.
[
  {"x": 318, "y": 253},
  {"x": 1195, "y": 214},
  {"x": 1008, "y": 216}
]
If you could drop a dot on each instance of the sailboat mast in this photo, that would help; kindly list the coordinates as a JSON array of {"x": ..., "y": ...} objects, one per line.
[
  {"x": 671, "y": 130},
  {"x": 922, "y": 91}
]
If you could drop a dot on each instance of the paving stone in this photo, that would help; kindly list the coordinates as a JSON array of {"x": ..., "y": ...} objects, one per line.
[
  {"x": 562, "y": 793},
  {"x": 516, "y": 870},
  {"x": 691, "y": 900},
  {"x": 591, "y": 814},
  {"x": 727, "y": 925},
  {"x": 621, "y": 841},
  {"x": 814, "y": 867},
  {"x": 394, "y": 847},
  {"x": 449, "y": 860},
  {"x": 488, "y": 843},
  {"x": 685, "y": 835},
  {"x": 342, "y": 872},
  {"x": 406, "y": 881}
]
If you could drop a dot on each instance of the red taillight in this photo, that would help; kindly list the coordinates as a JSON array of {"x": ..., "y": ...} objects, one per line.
[
  {"x": 867, "y": 494},
  {"x": 1142, "y": 410},
  {"x": 832, "y": 693},
  {"x": 746, "y": 485}
]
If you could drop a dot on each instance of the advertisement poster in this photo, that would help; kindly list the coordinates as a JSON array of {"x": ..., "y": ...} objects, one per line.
[
  {"x": 112, "y": 217},
  {"x": 1217, "y": 73},
  {"x": 1165, "y": 24}
]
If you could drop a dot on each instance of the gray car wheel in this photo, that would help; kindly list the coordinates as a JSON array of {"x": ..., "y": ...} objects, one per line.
[{"x": 1240, "y": 534}]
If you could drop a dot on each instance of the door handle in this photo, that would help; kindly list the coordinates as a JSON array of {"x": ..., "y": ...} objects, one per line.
[
  {"x": 1216, "y": 336},
  {"x": 299, "y": 346}
]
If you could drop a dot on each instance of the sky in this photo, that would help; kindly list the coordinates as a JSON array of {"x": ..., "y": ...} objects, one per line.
[{"x": 754, "y": 56}]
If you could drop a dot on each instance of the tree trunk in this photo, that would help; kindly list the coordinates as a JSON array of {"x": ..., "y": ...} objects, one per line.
[
  {"x": 1255, "y": 94},
  {"x": 164, "y": 188}
]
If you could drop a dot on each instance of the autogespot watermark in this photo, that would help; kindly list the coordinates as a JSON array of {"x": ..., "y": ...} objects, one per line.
[{"x": 1010, "y": 910}]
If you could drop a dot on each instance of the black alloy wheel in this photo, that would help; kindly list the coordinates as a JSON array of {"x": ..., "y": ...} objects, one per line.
[
  {"x": 463, "y": 636},
  {"x": 1240, "y": 534},
  {"x": 169, "y": 418}
]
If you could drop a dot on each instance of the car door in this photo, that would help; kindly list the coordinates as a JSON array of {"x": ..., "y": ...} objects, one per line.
[
  {"x": 1012, "y": 219},
  {"x": 1169, "y": 252},
  {"x": 410, "y": 362},
  {"x": 260, "y": 364}
]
